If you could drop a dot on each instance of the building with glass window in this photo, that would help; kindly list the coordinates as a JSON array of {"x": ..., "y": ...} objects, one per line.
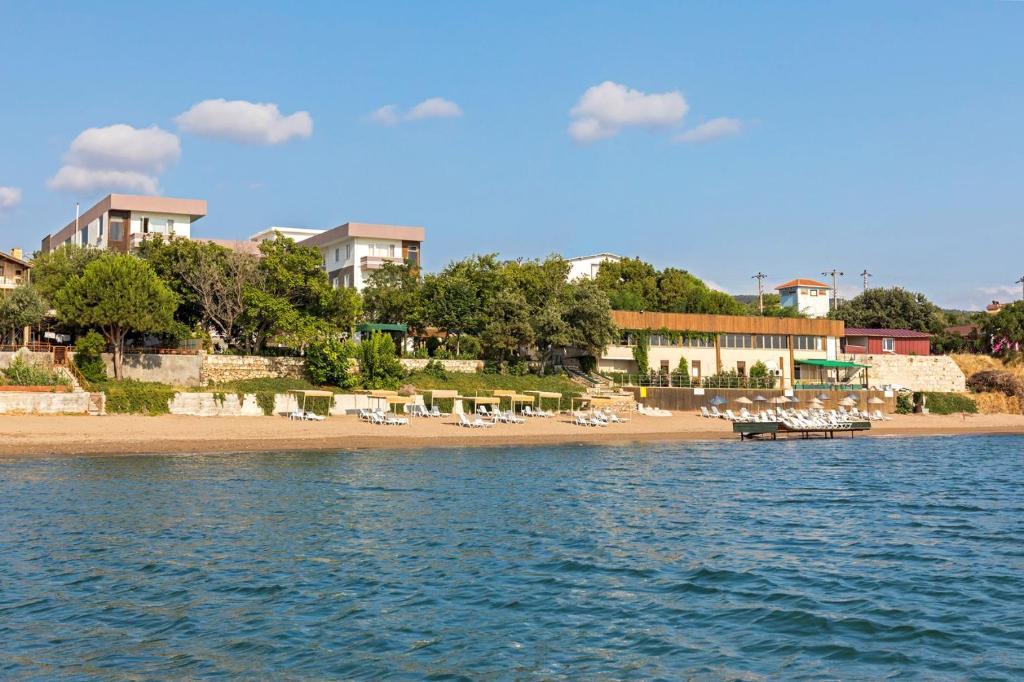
[
  {"x": 808, "y": 296},
  {"x": 14, "y": 269},
  {"x": 120, "y": 222},
  {"x": 860, "y": 341},
  {"x": 353, "y": 251},
  {"x": 711, "y": 344}
]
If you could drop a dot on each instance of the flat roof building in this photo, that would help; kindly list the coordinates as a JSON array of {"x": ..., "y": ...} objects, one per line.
[
  {"x": 353, "y": 251},
  {"x": 120, "y": 222},
  {"x": 296, "y": 233}
]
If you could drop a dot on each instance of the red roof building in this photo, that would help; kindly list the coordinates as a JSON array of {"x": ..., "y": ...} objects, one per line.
[{"x": 880, "y": 341}]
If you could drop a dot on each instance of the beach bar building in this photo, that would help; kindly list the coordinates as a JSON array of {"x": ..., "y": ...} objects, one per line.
[{"x": 794, "y": 350}]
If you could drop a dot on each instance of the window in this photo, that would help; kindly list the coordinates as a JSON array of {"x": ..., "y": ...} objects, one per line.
[
  {"x": 170, "y": 227},
  {"x": 83, "y": 236},
  {"x": 775, "y": 341},
  {"x": 348, "y": 280},
  {"x": 695, "y": 369},
  {"x": 735, "y": 341},
  {"x": 116, "y": 228},
  {"x": 813, "y": 292},
  {"x": 698, "y": 342},
  {"x": 348, "y": 251},
  {"x": 337, "y": 254},
  {"x": 334, "y": 282},
  {"x": 888, "y": 345},
  {"x": 101, "y": 229},
  {"x": 807, "y": 343},
  {"x": 741, "y": 368},
  {"x": 627, "y": 340},
  {"x": 391, "y": 250},
  {"x": 414, "y": 255},
  {"x": 145, "y": 226}
]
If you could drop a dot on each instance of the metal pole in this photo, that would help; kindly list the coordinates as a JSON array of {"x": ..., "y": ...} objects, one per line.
[
  {"x": 1021, "y": 283},
  {"x": 760, "y": 276},
  {"x": 865, "y": 275}
]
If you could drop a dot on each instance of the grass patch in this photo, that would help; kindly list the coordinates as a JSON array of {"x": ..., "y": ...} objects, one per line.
[{"x": 949, "y": 403}]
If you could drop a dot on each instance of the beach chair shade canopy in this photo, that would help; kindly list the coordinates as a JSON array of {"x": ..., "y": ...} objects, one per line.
[{"x": 760, "y": 399}]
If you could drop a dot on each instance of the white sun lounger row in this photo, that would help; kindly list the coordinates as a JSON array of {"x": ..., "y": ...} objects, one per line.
[{"x": 382, "y": 418}]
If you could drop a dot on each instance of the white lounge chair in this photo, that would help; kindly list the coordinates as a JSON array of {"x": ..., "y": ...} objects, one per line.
[
  {"x": 704, "y": 412},
  {"x": 466, "y": 423},
  {"x": 436, "y": 412},
  {"x": 297, "y": 414},
  {"x": 313, "y": 416}
]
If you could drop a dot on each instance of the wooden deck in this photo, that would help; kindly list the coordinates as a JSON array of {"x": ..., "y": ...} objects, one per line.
[{"x": 773, "y": 429}]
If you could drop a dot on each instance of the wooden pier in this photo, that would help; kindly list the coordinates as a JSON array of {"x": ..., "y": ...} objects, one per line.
[{"x": 773, "y": 429}]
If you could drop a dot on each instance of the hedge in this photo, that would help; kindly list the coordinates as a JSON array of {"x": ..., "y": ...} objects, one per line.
[
  {"x": 138, "y": 397},
  {"x": 948, "y": 403}
]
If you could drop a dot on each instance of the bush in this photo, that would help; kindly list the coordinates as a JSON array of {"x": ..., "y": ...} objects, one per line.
[
  {"x": 435, "y": 369},
  {"x": 330, "y": 363},
  {"x": 519, "y": 369},
  {"x": 88, "y": 359},
  {"x": 265, "y": 399},
  {"x": 904, "y": 403},
  {"x": 588, "y": 363},
  {"x": 378, "y": 366},
  {"x": 21, "y": 373},
  {"x": 948, "y": 403},
  {"x": 996, "y": 381},
  {"x": 138, "y": 397}
]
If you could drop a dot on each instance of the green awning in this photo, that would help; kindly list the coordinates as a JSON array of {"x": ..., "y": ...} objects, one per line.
[
  {"x": 831, "y": 363},
  {"x": 375, "y": 327}
]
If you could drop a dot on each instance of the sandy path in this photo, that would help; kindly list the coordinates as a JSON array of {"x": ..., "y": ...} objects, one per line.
[{"x": 129, "y": 434}]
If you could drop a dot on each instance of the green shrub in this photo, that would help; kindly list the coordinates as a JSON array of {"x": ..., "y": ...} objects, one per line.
[
  {"x": 904, "y": 404},
  {"x": 21, "y": 373},
  {"x": 435, "y": 369},
  {"x": 519, "y": 369},
  {"x": 138, "y": 397},
  {"x": 948, "y": 403},
  {"x": 588, "y": 363},
  {"x": 329, "y": 362},
  {"x": 88, "y": 359},
  {"x": 378, "y": 366},
  {"x": 265, "y": 399}
]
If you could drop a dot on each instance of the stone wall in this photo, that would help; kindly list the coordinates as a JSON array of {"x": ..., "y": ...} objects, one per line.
[
  {"x": 221, "y": 368},
  {"x": 177, "y": 370},
  {"x": 212, "y": 405},
  {"x": 12, "y": 402},
  {"x": 456, "y": 366},
  {"x": 916, "y": 372},
  {"x": 31, "y": 357}
]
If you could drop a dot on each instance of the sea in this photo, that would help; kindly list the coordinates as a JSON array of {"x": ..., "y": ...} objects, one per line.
[{"x": 862, "y": 559}]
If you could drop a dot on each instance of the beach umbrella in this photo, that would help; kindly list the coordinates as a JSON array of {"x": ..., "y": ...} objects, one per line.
[
  {"x": 794, "y": 399},
  {"x": 847, "y": 402},
  {"x": 822, "y": 396},
  {"x": 744, "y": 400},
  {"x": 876, "y": 401},
  {"x": 760, "y": 399},
  {"x": 779, "y": 400},
  {"x": 718, "y": 400}
]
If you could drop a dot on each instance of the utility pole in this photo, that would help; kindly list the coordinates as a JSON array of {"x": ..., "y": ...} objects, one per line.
[
  {"x": 760, "y": 277},
  {"x": 1021, "y": 283},
  {"x": 835, "y": 274},
  {"x": 865, "y": 275}
]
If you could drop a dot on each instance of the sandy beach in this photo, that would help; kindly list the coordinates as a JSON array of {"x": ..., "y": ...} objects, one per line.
[{"x": 129, "y": 434}]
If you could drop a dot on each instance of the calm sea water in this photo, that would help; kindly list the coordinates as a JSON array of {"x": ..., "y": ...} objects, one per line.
[{"x": 839, "y": 559}]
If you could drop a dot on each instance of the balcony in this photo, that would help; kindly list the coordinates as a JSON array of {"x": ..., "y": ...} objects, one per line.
[
  {"x": 377, "y": 262},
  {"x": 10, "y": 282}
]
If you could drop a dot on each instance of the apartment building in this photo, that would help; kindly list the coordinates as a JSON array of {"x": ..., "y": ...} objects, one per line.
[
  {"x": 14, "y": 269},
  {"x": 121, "y": 222},
  {"x": 297, "y": 233},
  {"x": 793, "y": 350},
  {"x": 351, "y": 252}
]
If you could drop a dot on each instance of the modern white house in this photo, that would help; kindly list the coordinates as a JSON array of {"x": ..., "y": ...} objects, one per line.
[
  {"x": 120, "y": 222},
  {"x": 808, "y": 296},
  {"x": 351, "y": 252},
  {"x": 586, "y": 267},
  {"x": 297, "y": 233}
]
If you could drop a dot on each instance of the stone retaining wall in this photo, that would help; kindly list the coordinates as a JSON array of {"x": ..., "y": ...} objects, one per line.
[
  {"x": 916, "y": 372},
  {"x": 43, "y": 403},
  {"x": 222, "y": 368},
  {"x": 177, "y": 370},
  {"x": 456, "y": 366},
  {"x": 31, "y": 357}
]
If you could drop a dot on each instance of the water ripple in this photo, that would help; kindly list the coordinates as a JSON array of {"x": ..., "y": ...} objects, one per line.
[{"x": 856, "y": 560}]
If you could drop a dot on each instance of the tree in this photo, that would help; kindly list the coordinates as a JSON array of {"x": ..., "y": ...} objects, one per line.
[
  {"x": 894, "y": 308},
  {"x": 588, "y": 317},
  {"x": 683, "y": 372},
  {"x": 19, "y": 308},
  {"x": 1006, "y": 329},
  {"x": 118, "y": 294},
  {"x": 379, "y": 367},
  {"x": 52, "y": 270},
  {"x": 632, "y": 284},
  {"x": 330, "y": 362},
  {"x": 392, "y": 295},
  {"x": 88, "y": 356},
  {"x": 508, "y": 327}
]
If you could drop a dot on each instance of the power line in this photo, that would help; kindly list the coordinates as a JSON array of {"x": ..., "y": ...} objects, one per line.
[{"x": 760, "y": 277}]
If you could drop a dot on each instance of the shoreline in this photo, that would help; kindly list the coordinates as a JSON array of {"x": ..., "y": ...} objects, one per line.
[{"x": 81, "y": 436}]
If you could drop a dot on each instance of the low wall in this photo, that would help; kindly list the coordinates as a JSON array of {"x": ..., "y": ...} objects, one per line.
[
  {"x": 223, "y": 368},
  {"x": 454, "y": 366},
  {"x": 684, "y": 399},
  {"x": 44, "y": 403},
  {"x": 212, "y": 404},
  {"x": 177, "y": 370},
  {"x": 31, "y": 357},
  {"x": 916, "y": 372}
]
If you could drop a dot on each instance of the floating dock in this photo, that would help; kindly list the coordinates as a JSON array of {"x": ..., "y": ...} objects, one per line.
[{"x": 773, "y": 429}]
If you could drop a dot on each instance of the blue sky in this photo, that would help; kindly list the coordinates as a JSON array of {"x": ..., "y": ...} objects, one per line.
[{"x": 883, "y": 136}]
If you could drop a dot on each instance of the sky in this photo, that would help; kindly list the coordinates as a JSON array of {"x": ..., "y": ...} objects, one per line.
[{"x": 722, "y": 138}]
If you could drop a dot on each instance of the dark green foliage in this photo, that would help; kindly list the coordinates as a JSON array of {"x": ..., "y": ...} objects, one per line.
[
  {"x": 52, "y": 270},
  {"x": 20, "y": 307},
  {"x": 730, "y": 378},
  {"x": 88, "y": 359},
  {"x": 759, "y": 370},
  {"x": 948, "y": 403},
  {"x": 265, "y": 399},
  {"x": 138, "y": 397},
  {"x": 588, "y": 363},
  {"x": 640, "y": 352},
  {"x": 329, "y": 362},
  {"x": 1007, "y": 328},
  {"x": 894, "y": 308},
  {"x": 379, "y": 368},
  {"x": 435, "y": 369},
  {"x": 632, "y": 284},
  {"x": 904, "y": 403}
]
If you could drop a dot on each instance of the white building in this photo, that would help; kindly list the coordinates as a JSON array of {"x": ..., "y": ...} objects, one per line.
[
  {"x": 120, "y": 222},
  {"x": 587, "y": 266},
  {"x": 296, "y": 233},
  {"x": 351, "y": 252},
  {"x": 808, "y": 296}
]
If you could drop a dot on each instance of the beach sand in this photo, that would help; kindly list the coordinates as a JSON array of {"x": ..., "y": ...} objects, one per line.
[{"x": 130, "y": 434}]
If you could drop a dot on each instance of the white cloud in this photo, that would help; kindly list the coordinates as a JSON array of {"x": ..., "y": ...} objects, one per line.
[
  {"x": 711, "y": 284},
  {"x": 711, "y": 130},
  {"x": 9, "y": 197},
  {"x": 435, "y": 107},
  {"x": 387, "y": 115},
  {"x": 242, "y": 121},
  {"x": 79, "y": 179},
  {"x": 117, "y": 157},
  {"x": 605, "y": 109},
  {"x": 1000, "y": 290},
  {"x": 122, "y": 147}
]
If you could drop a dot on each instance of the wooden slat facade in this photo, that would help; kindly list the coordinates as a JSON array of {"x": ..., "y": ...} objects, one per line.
[{"x": 727, "y": 324}]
